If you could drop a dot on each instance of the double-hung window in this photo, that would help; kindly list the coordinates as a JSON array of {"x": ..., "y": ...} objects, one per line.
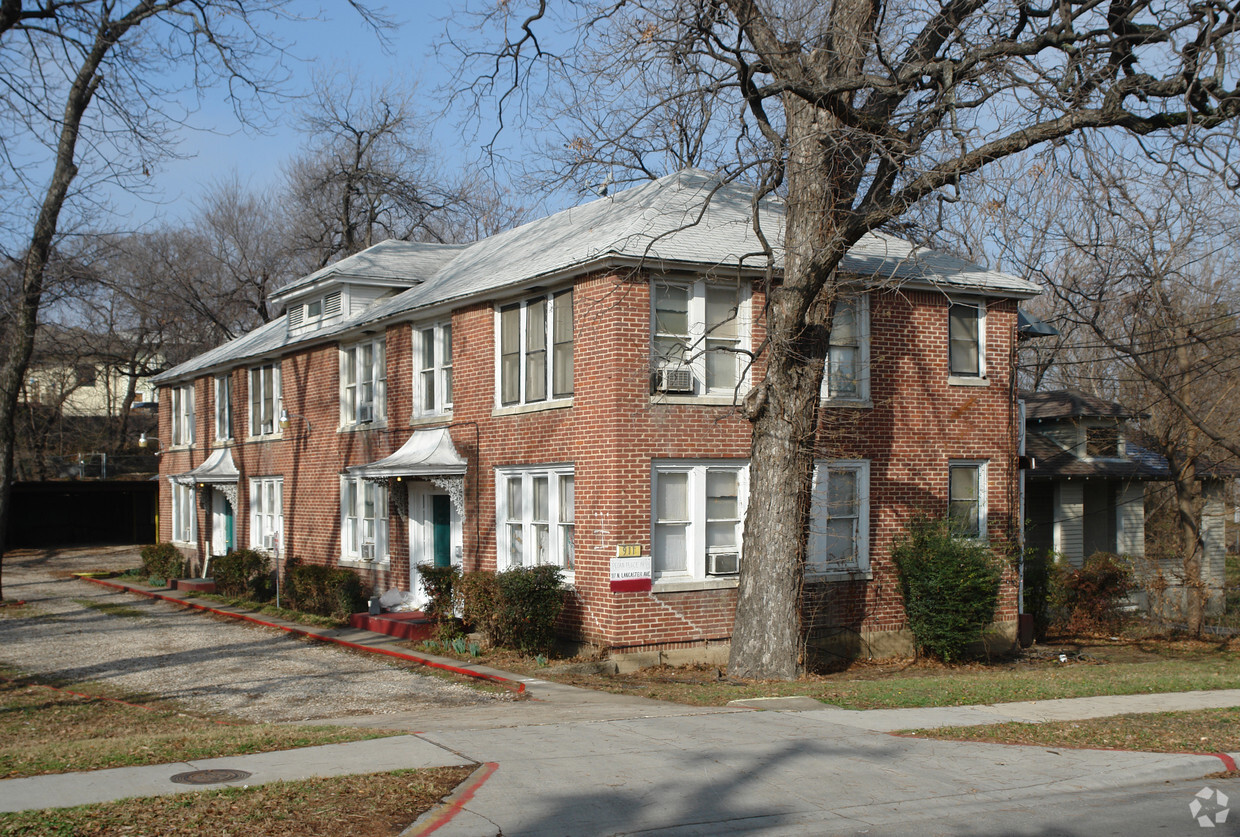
[
  {"x": 698, "y": 517},
  {"x": 967, "y": 339},
  {"x": 265, "y": 399},
  {"x": 700, "y": 331},
  {"x": 847, "y": 378},
  {"x": 966, "y": 505},
  {"x": 432, "y": 370},
  {"x": 364, "y": 519},
  {"x": 184, "y": 516},
  {"x": 536, "y": 350},
  {"x": 535, "y": 514},
  {"x": 363, "y": 383},
  {"x": 839, "y": 523},
  {"x": 266, "y": 513},
  {"x": 183, "y": 414},
  {"x": 223, "y": 407}
]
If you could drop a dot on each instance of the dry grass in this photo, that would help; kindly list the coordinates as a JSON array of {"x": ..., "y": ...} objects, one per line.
[
  {"x": 376, "y": 805},
  {"x": 1200, "y": 731}
]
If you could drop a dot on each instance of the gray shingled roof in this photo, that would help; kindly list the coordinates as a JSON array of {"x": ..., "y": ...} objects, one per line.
[
  {"x": 1071, "y": 403},
  {"x": 682, "y": 220}
]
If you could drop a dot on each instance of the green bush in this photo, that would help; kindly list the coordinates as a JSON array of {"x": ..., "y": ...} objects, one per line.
[
  {"x": 162, "y": 560},
  {"x": 245, "y": 573},
  {"x": 477, "y": 593},
  {"x": 530, "y": 600},
  {"x": 1091, "y": 596},
  {"x": 1040, "y": 573},
  {"x": 438, "y": 584},
  {"x": 327, "y": 591},
  {"x": 950, "y": 586}
]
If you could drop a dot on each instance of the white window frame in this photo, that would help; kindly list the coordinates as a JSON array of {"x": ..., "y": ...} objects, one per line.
[
  {"x": 978, "y": 305},
  {"x": 550, "y": 395},
  {"x": 266, "y": 425},
  {"x": 267, "y": 514},
  {"x": 861, "y": 303},
  {"x": 982, "y": 467},
  {"x": 224, "y": 427},
  {"x": 816, "y": 564},
  {"x": 695, "y": 532},
  {"x": 184, "y": 513},
  {"x": 182, "y": 416},
  {"x": 356, "y": 529},
  {"x": 433, "y": 371},
  {"x": 523, "y": 523},
  {"x": 355, "y": 376},
  {"x": 698, "y": 338}
]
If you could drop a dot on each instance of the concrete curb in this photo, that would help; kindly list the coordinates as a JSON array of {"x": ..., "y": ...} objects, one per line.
[
  {"x": 452, "y": 804},
  {"x": 515, "y": 686}
]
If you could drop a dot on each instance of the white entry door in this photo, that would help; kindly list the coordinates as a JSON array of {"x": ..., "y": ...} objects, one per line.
[
  {"x": 434, "y": 533},
  {"x": 223, "y": 526}
]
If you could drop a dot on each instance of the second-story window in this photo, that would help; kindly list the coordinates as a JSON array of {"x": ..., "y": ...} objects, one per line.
[
  {"x": 699, "y": 332},
  {"x": 536, "y": 350},
  {"x": 223, "y": 407},
  {"x": 432, "y": 370},
  {"x": 847, "y": 377},
  {"x": 363, "y": 383},
  {"x": 967, "y": 339},
  {"x": 264, "y": 399},
  {"x": 183, "y": 415}
]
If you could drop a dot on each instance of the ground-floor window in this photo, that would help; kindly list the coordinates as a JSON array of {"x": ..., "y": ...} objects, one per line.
[
  {"x": 839, "y": 522},
  {"x": 698, "y": 517},
  {"x": 364, "y": 519},
  {"x": 184, "y": 516},
  {"x": 966, "y": 506},
  {"x": 266, "y": 513},
  {"x": 534, "y": 507}
]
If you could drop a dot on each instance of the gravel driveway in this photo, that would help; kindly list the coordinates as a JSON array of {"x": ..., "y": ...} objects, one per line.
[{"x": 208, "y": 663}]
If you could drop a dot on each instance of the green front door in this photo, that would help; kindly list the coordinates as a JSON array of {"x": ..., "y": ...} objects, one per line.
[
  {"x": 441, "y": 525},
  {"x": 230, "y": 540}
]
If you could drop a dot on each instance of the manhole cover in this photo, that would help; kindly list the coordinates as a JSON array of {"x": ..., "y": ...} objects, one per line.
[{"x": 209, "y": 777}]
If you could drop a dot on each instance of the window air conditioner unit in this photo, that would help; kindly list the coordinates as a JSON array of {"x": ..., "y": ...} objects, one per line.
[
  {"x": 365, "y": 413},
  {"x": 268, "y": 542},
  {"x": 723, "y": 563},
  {"x": 368, "y": 552},
  {"x": 672, "y": 379}
]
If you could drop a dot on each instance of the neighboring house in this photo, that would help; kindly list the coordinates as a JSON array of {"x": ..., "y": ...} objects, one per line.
[
  {"x": 1087, "y": 491},
  {"x": 565, "y": 392}
]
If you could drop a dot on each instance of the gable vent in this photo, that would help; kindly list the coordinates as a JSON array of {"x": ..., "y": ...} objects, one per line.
[
  {"x": 331, "y": 304},
  {"x": 295, "y": 315}
]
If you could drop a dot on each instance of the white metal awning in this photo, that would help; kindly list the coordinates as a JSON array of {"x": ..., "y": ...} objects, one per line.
[
  {"x": 218, "y": 468},
  {"x": 428, "y": 453}
]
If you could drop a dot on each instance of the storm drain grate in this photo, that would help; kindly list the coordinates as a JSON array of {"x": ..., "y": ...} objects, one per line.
[{"x": 209, "y": 777}]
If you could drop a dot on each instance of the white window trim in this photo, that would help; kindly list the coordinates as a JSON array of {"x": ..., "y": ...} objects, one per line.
[
  {"x": 258, "y": 514},
  {"x": 225, "y": 417},
  {"x": 695, "y": 536},
  {"x": 182, "y": 416},
  {"x": 983, "y": 492},
  {"x": 382, "y": 523},
  {"x": 179, "y": 524},
  {"x": 277, "y": 401},
  {"x": 697, "y": 334},
  {"x": 980, "y": 378},
  {"x": 863, "y": 359},
  {"x": 862, "y": 568},
  {"x": 551, "y": 399},
  {"x": 349, "y": 414},
  {"x": 441, "y": 371},
  {"x": 526, "y": 474}
]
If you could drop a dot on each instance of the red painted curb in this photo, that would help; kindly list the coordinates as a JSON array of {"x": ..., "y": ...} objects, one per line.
[
  {"x": 513, "y": 685},
  {"x": 459, "y": 799},
  {"x": 1229, "y": 764}
]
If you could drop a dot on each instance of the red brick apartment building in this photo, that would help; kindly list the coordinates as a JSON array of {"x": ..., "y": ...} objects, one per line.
[{"x": 566, "y": 388}]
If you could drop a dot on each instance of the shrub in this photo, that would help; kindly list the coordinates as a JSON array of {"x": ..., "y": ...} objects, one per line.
[
  {"x": 327, "y": 591},
  {"x": 530, "y": 600},
  {"x": 162, "y": 560},
  {"x": 245, "y": 573},
  {"x": 1091, "y": 596},
  {"x": 1040, "y": 573},
  {"x": 478, "y": 595},
  {"x": 438, "y": 584},
  {"x": 950, "y": 586}
]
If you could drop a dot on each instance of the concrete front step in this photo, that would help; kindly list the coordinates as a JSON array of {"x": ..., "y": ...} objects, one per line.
[{"x": 413, "y": 625}]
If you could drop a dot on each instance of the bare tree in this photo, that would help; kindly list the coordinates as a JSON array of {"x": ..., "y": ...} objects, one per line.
[
  {"x": 864, "y": 109},
  {"x": 89, "y": 80}
]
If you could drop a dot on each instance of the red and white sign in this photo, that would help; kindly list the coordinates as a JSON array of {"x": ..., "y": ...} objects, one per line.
[{"x": 630, "y": 575}]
